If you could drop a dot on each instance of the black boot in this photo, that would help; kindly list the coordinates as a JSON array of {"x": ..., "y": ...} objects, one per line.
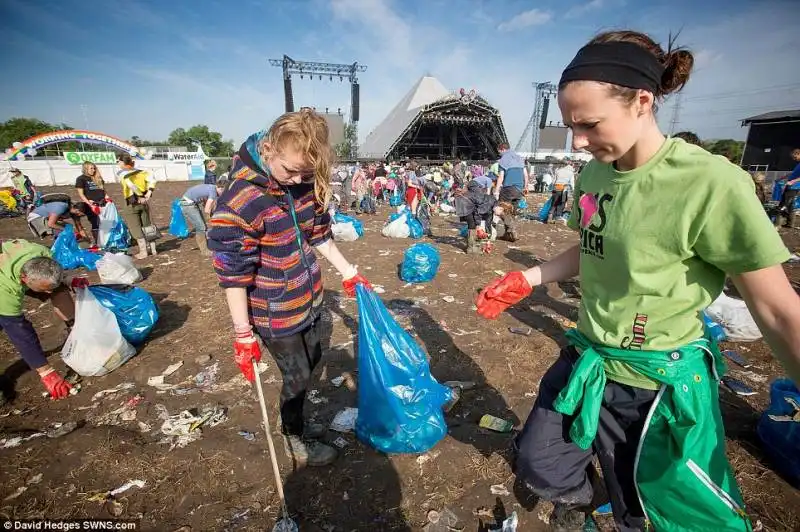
[{"x": 566, "y": 519}]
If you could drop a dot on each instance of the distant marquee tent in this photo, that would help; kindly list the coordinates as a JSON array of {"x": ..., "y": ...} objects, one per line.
[
  {"x": 770, "y": 140},
  {"x": 431, "y": 122}
]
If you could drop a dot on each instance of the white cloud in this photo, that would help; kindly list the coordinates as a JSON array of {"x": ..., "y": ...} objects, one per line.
[
  {"x": 399, "y": 44},
  {"x": 526, "y": 19},
  {"x": 706, "y": 58},
  {"x": 582, "y": 9}
]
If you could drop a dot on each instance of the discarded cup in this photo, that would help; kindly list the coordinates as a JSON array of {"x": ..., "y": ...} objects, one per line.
[{"x": 495, "y": 423}]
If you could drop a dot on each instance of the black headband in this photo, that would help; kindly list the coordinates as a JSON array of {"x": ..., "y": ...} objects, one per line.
[{"x": 622, "y": 63}]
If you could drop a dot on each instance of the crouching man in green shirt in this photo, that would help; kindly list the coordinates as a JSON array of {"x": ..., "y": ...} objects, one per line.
[{"x": 26, "y": 267}]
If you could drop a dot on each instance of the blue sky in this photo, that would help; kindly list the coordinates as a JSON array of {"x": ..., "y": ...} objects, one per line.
[{"x": 144, "y": 67}]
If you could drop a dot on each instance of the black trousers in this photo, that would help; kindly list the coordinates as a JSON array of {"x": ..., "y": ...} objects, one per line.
[
  {"x": 94, "y": 219},
  {"x": 474, "y": 219},
  {"x": 296, "y": 357},
  {"x": 556, "y": 469},
  {"x": 560, "y": 198}
]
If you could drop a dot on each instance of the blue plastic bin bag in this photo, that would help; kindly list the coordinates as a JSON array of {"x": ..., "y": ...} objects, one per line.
[
  {"x": 522, "y": 204},
  {"x": 134, "y": 308},
  {"x": 344, "y": 219},
  {"x": 177, "y": 223},
  {"x": 420, "y": 263},
  {"x": 464, "y": 231},
  {"x": 396, "y": 200},
  {"x": 399, "y": 401},
  {"x": 713, "y": 329},
  {"x": 779, "y": 429},
  {"x": 544, "y": 212},
  {"x": 395, "y": 215},
  {"x": 69, "y": 255},
  {"x": 415, "y": 229},
  {"x": 118, "y": 237}
]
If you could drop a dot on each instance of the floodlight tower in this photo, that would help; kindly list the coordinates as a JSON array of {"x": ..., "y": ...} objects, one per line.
[
  {"x": 311, "y": 69},
  {"x": 545, "y": 91}
]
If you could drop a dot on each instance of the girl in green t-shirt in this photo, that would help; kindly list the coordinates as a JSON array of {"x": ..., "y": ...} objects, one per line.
[{"x": 661, "y": 225}]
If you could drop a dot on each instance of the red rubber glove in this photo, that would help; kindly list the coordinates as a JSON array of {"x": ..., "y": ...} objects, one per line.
[
  {"x": 349, "y": 285},
  {"x": 56, "y": 386},
  {"x": 95, "y": 208},
  {"x": 79, "y": 282},
  {"x": 245, "y": 349},
  {"x": 502, "y": 293}
]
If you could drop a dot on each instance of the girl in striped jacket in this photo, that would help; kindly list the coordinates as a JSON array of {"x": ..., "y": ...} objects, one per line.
[{"x": 263, "y": 233}]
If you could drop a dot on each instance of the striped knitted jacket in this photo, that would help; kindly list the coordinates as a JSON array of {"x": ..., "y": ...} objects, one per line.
[{"x": 261, "y": 235}]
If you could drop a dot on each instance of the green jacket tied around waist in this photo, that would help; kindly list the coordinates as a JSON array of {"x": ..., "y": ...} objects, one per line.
[{"x": 681, "y": 472}]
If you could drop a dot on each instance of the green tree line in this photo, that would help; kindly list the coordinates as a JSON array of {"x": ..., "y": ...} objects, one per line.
[
  {"x": 18, "y": 129},
  {"x": 728, "y": 148}
]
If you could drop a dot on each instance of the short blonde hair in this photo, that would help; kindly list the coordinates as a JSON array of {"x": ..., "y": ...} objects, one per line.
[{"x": 307, "y": 131}]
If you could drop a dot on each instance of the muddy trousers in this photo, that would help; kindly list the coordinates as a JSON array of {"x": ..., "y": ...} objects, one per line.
[
  {"x": 556, "y": 469},
  {"x": 787, "y": 202},
  {"x": 136, "y": 217},
  {"x": 296, "y": 357}
]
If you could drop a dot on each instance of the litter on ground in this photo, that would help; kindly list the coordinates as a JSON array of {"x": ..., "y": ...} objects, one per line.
[
  {"x": 499, "y": 489},
  {"x": 247, "y": 435},
  {"x": 116, "y": 389},
  {"x": 207, "y": 377},
  {"x": 345, "y": 420},
  {"x": 184, "y": 428},
  {"x": 315, "y": 398}
]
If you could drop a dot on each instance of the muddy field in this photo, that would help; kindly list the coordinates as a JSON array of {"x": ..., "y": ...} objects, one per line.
[{"x": 223, "y": 480}]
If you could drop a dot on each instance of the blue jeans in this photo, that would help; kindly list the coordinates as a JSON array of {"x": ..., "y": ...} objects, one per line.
[{"x": 194, "y": 216}]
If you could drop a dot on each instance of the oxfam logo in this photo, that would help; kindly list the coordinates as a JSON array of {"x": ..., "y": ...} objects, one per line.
[
  {"x": 97, "y": 157},
  {"x": 73, "y": 157}
]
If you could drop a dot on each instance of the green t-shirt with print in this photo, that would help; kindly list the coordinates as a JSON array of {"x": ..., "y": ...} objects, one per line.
[{"x": 656, "y": 244}]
